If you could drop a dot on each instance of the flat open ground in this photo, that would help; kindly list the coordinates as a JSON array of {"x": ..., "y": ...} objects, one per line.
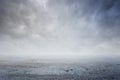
[{"x": 60, "y": 71}]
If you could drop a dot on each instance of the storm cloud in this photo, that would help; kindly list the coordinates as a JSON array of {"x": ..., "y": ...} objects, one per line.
[{"x": 59, "y": 28}]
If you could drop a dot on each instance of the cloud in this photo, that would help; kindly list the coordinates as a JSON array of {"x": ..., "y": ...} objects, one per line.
[
  {"x": 94, "y": 24},
  {"x": 104, "y": 14},
  {"x": 60, "y": 27},
  {"x": 24, "y": 18}
]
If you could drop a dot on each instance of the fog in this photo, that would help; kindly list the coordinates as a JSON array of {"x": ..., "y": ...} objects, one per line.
[{"x": 59, "y": 29}]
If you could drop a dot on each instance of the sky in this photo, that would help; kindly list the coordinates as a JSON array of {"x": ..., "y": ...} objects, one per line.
[{"x": 59, "y": 29}]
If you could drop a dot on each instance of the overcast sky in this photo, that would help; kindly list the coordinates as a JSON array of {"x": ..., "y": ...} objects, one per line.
[{"x": 59, "y": 28}]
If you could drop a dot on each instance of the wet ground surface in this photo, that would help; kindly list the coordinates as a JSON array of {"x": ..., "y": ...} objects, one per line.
[{"x": 60, "y": 71}]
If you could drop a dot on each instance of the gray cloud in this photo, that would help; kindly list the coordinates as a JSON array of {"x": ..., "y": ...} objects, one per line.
[
  {"x": 93, "y": 23},
  {"x": 62, "y": 27},
  {"x": 23, "y": 18},
  {"x": 105, "y": 14}
]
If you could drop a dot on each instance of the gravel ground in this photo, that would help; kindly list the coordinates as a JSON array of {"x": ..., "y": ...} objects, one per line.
[{"x": 60, "y": 71}]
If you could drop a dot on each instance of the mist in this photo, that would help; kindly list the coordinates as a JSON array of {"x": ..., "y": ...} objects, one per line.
[{"x": 59, "y": 29}]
